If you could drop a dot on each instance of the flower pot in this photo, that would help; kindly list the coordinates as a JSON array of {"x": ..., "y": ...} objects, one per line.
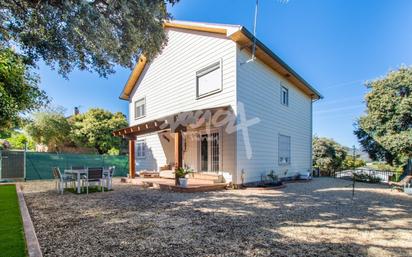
[{"x": 183, "y": 182}]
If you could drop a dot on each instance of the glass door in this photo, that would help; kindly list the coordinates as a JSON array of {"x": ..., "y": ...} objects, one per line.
[
  {"x": 210, "y": 152},
  {"x": 204, "y": 153}
]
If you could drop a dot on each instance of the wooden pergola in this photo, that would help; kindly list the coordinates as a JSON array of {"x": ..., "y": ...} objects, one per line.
[{"x": 176, "y": 123}]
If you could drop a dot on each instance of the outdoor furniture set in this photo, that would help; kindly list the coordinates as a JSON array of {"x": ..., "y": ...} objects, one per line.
[{"x": 81, "y": 178}]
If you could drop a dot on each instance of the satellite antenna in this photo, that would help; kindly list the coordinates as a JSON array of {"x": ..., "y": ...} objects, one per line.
[{"x": 254, "y": 31}]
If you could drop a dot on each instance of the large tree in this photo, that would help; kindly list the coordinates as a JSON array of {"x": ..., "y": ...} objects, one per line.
[
  {"x": 94, "y": 129},
  {"x": 19, "y": 91},
  {"x": 328, "y": 155},
  {"x": 91, "y": 35},
  {"x": 49, "y": 127},
  {"x": 385, "y": 131}
]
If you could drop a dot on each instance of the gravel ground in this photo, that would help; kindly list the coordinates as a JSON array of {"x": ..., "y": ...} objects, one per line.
[{"x": 304, "y": 219}]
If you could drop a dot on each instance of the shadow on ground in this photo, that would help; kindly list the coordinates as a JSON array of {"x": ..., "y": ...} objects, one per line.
[{"x": 319, "y": 218}]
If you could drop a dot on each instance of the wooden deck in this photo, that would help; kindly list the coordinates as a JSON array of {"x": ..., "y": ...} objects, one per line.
[{"x": 194, "y": 185}]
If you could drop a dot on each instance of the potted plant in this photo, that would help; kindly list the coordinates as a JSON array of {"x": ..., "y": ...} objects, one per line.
[{"x": 181, "y": 175}]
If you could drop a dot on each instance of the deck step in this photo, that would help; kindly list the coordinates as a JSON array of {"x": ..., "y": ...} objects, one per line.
[{"x": 216, "y": 178}]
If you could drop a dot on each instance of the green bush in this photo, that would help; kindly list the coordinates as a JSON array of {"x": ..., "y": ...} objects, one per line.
[{"x": 367, "y": 178}]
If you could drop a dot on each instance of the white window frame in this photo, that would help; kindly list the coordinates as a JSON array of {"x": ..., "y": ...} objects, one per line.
[
  {"x": 282, "y": 90},
  {"x": 142, "y": 143},
  {"x": 135, "y": 108},
  {"x": 290, "y": 151},
  {"x": 212, "y": 67}
]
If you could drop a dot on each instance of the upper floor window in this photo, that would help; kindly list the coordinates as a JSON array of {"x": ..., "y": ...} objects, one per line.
[
  {"x": 284, "y": 96},
  {"x": 284, "y": 149},
  {"x": 209, "y": 80},
  {"x": 140, "y": 108},
  {"x": 140, "y": 148}
]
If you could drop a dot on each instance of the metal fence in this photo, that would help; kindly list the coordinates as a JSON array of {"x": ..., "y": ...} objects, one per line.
[
  {"x": 382, "y": 174},
  {"x": 12, "y": 164},
  {"x": 37, "y": 165}
]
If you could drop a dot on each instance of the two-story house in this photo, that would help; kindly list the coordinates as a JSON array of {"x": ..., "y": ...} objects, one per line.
[{"x": 203, "y": 102}]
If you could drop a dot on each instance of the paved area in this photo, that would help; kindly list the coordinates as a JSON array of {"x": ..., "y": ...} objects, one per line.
[{"x": 303, "y": 219}]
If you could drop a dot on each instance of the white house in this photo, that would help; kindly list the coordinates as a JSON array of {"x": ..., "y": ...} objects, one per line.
[{"x": 204, "y": 103}]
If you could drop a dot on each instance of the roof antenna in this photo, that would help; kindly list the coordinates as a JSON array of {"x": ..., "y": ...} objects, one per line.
[
  {"x": 254, "y": 35},
  {"x": 254, "y": 32}
]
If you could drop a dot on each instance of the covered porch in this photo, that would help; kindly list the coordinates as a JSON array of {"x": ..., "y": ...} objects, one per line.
[{"x": 194, "y": 139}]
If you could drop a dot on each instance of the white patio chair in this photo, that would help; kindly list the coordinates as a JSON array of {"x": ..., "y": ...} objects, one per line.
[
  {"x": 109, "y": 177},
  {"x": 95, "y": 175},
  {"x": 62, "y": 180}
]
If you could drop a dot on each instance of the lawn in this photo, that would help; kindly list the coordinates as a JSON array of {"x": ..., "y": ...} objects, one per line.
[
  {"x": 12, "y": 243},
  {"x": 318, "y": 218}
]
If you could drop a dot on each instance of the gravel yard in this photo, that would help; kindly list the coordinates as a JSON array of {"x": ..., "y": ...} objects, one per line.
[{"x": 304, "y": 219}]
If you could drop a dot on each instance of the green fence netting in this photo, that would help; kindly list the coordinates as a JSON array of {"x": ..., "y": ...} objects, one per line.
[{"x": 39, "y": 165}]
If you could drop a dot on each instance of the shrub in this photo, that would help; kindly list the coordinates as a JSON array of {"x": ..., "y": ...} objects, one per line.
[{"x": 362, "y": 177}]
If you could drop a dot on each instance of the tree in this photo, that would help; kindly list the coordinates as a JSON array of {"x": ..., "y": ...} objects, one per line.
[
  {"x": 385, "y": 131},
  {"x": 49, "y": 127},
  {"x": 94, "y": 129},
  {"x": 350, "y": 163},
  {"x": 85, "y": 34},
  {"x": 328, "y": 155},
  {"x": 19, "y": 140},
  {"x": 19, "y": 91}
]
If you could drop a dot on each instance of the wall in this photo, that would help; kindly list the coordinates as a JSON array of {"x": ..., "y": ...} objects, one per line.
[
  {"x": 259, "y": 91},
  {"x": 169, "y": 85}
]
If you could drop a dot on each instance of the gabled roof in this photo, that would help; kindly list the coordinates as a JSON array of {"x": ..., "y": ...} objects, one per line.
[{"x": 244, "y": 39}]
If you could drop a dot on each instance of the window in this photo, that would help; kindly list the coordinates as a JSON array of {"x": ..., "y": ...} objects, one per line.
[
  {"x": 284, "y": 150},
  {"x": 284, "y": 95},
  {"x": 209, "y": 80},
  {"x": 140, "y": 108},
  {"x": 140, "y": 148}
]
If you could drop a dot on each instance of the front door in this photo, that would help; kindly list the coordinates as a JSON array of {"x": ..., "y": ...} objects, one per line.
[{"x": 210, "y": 152}]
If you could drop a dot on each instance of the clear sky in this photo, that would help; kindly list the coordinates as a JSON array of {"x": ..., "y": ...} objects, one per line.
[{"x": 335, "y": 45}]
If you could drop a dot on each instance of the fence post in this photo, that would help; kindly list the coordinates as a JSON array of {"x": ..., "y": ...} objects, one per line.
[{"x": 24, "y": 160}]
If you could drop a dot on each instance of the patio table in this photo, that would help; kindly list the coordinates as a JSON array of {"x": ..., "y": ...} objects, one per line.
[{"x": 78, "y": 173}]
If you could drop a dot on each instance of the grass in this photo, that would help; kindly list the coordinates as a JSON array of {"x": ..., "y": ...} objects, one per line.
[{"x": 12, "y": 243}]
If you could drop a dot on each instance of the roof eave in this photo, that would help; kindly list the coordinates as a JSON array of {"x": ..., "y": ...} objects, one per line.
[{"x": 280, "y": 61}]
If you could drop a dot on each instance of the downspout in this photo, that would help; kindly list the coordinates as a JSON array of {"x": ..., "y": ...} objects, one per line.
[{"x": 312, "y": 100}]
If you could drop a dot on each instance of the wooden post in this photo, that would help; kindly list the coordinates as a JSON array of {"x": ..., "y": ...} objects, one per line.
[
  {"x": 132, "y": 159},
  {"x": 178, "y": 154}
]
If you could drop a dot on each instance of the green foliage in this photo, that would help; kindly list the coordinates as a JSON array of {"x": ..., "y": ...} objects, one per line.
[
  {"x": 182, "y": 172},
  {"x": 85, "y": 34},
  {"x": 17, "y": 140},
  {"x": 328, "y": 155},
  {"x": 19, "y": 92},
  {"x": 386, "y": 130},
  {"x": 361, "y": 177},
  {"x": 350, "y": 163},
  {"x": 49, "y": 127},
  {"x": 113, "y": 151},
  {"x": 94, "y": 129}
]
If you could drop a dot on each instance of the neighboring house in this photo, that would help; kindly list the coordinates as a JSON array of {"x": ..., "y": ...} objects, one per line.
[{"x": 208, "y": 67}]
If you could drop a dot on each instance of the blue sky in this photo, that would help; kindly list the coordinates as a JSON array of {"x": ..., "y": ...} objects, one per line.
[{"x": 335, "y": 45}]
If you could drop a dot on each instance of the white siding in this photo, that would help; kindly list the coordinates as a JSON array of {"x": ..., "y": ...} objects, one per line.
[
  {"x": 159, "y": 152},
  {"x": 168, "y": 84},
  {"x": 259, "y": 91}
]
